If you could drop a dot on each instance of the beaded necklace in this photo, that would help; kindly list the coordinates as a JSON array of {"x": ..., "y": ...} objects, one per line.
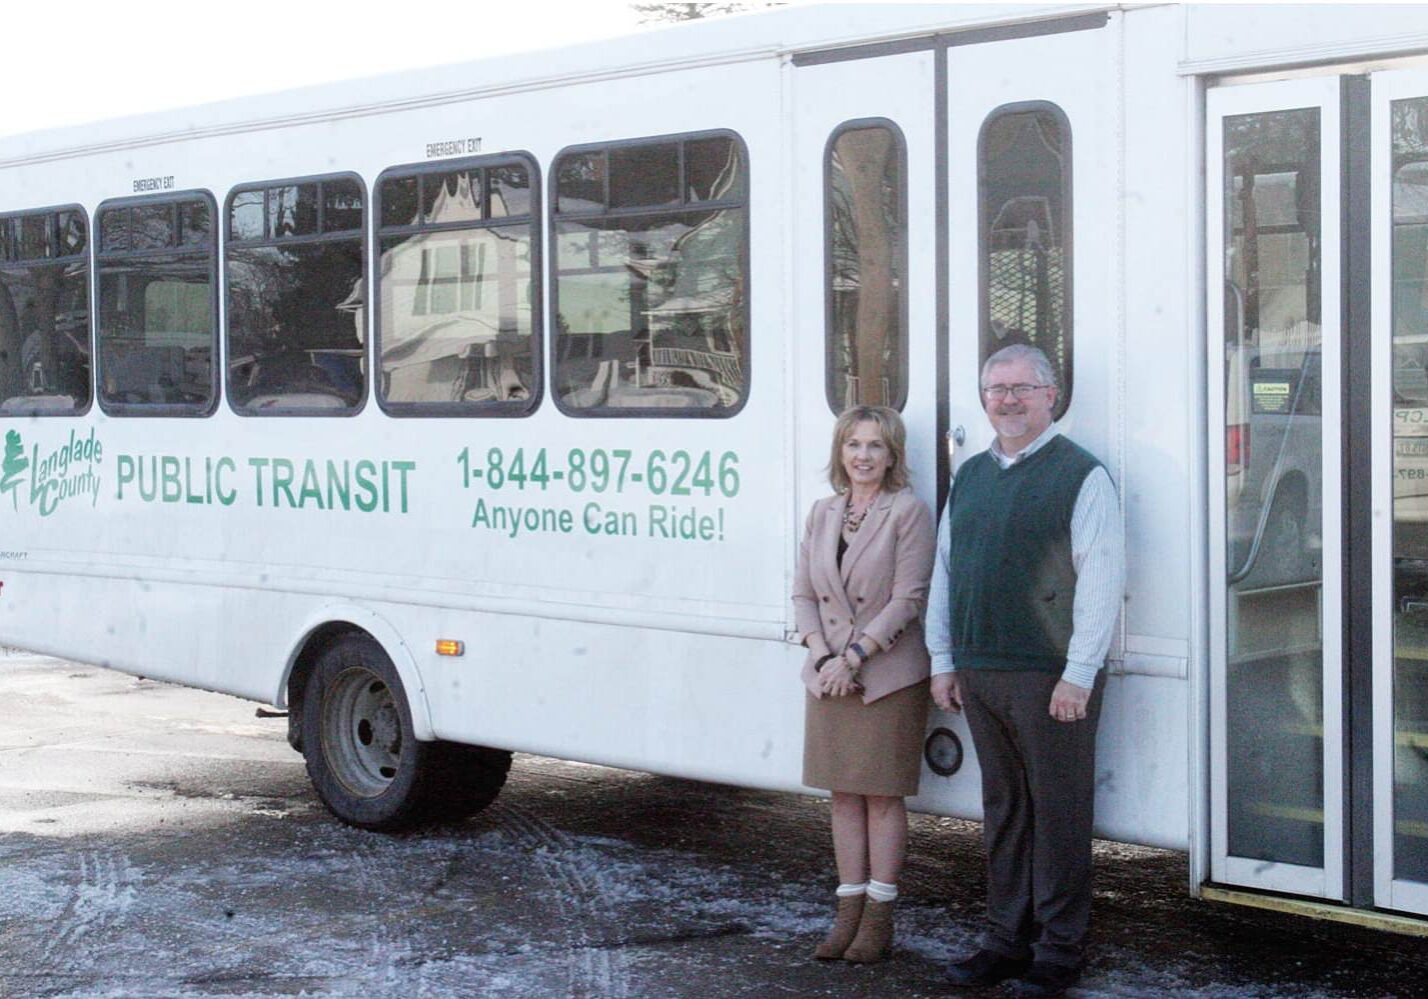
[{"x": 852, "y": 521}]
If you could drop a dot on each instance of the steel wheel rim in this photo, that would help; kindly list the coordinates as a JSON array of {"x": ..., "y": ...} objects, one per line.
[{"x": 362, "y": 732}]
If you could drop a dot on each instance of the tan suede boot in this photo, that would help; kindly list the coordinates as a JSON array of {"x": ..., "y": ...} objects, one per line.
[
  {"x": 845, "y": 927},
  {"x": 874, "y": 937}
]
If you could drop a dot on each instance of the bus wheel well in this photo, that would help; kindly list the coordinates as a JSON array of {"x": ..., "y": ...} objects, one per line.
[{"x": 318, "y": 640}]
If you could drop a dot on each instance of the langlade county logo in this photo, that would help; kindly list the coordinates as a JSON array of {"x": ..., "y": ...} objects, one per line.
[{"x": 67, "y": 472}]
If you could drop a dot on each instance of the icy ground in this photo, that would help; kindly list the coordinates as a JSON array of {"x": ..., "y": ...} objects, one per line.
[{"x": 157, "y": 842}]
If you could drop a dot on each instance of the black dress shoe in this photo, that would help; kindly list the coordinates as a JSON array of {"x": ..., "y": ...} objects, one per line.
[
  {"x": 986, "y": 968},
  {"x": 1045, "y": 979}
]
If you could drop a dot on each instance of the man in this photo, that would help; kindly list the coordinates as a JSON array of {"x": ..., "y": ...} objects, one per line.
[{"x": 1025, "y": 593}]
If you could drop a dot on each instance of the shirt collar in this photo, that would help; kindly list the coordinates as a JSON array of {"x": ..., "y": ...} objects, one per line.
[{"x": 1026, "y": 452}]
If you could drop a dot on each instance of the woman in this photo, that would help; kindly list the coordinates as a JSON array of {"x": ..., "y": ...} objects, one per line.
[{"x": 860, "y": 589}]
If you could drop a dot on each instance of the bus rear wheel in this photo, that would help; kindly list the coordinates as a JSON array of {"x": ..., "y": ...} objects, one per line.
[{"x": 363, "y": 758}]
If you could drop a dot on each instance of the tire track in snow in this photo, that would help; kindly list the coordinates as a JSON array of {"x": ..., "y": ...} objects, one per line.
[
  {"x": 597, "y": 970},
  {"x": 102, "y": 891}
]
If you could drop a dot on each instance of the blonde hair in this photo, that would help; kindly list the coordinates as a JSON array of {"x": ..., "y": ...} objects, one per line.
[{"x": 894, "y": 436}]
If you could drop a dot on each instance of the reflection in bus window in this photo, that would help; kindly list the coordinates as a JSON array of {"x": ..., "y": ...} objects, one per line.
[
  {"x": 1274, "y": 451},
  {"x": 1024, "y": 177},
  {"x": 295, "y": 298},
  {"x": 44, "y": 313},
  {"x": 867, "y": 261},
  {"x": 455, "y": 320},
  {"x": 651, "y": 246},
  {"x": 157, "y": 307},
  {"x": 1409, "y": 310}
]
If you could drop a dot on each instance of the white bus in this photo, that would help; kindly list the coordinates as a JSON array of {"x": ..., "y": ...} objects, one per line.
[{"x": 476, "y": 410}]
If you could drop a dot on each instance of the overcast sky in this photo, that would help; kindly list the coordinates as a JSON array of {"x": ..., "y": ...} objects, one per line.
[{"x": 68, "y": 62}]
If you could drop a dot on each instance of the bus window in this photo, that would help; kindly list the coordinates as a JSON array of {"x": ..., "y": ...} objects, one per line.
[
  {"x": 456, "y": 294},
  {"x": 157, "y": 307},
  {"x": 44, "y": 312},
  {"x": 865, "y": 196},
  {"x": 296, "y": 317},
  {"x": 651, "y": 277},
  {"x": 1024, "y": 197}
]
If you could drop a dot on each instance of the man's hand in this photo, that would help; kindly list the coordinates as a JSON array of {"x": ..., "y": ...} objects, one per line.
[
  {"x": 947, "y": 691},
  {"x": 1068, "y": 701}
]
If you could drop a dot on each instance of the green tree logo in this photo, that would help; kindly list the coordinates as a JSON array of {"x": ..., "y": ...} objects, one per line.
[{"x": 12, "y": 466}]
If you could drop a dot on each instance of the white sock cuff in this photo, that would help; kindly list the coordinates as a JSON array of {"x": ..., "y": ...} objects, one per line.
[
  {"x": 879, "y": 892},
  {"x": 848, "y": 891}
]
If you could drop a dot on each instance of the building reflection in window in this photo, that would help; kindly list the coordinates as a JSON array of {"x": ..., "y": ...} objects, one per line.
[
  {"x": 651, "y": 277},
  {"x": 456, "y": 321}
]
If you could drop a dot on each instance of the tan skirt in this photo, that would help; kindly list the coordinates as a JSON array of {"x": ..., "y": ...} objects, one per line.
[{"x": 866, "y": 748}]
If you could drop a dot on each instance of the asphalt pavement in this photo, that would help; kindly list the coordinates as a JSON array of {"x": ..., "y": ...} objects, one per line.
[{"x": 160, "y": 842}]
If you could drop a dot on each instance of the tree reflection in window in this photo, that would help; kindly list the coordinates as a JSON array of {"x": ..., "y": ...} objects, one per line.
[
  {"x": 650, "y": 277},
  {"x": 157, "y": 306},
  {"x": 1024, "y": 180},
  {"x": 44, "y": 313},
  {"x": 867, "y": 261},
  {"x": 456, "y": 320},
  {"x": 296, "y": 311}
]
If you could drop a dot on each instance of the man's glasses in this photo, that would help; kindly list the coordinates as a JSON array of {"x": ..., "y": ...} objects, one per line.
[{"x": 1022, "y": 391}]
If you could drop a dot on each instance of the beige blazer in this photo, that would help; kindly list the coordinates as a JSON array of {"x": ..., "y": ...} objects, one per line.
[{"x": 881, "y": 590}]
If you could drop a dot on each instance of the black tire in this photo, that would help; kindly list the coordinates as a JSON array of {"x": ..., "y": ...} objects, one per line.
[
  {"x": 465, "y": 779},
  {"x": 363, "y": 758}
]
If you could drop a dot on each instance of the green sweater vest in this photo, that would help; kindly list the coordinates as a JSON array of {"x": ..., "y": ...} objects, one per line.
[{"x": 1012, "y": 579}]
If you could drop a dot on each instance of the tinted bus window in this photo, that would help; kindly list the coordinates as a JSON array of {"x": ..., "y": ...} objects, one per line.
[
  {"x": 158, "y": 315},
  {"x": 456, "y": 294},
  {"x": 1024, "y": 181},
  {"x": 296, "y": 316},
  {"x": 651, "y": 278},
  {"x": 44, "y": 312},
  {"x": 866, "y": 245}
]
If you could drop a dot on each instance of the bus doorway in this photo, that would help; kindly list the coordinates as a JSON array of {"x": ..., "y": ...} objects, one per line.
[{"x": 1319, "y": 729}]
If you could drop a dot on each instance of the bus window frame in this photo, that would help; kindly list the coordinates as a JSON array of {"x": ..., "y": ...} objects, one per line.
[
  {"x": 364, "y": 236},
  {"x": 532, "y": 220},
  {"x": 1066, "y": 379},
  {"x": 174, "y": 199},
  {"x": 91, "y": 289},
  {"x": 554, "y": 216},
  {"x": 899, "y": 400}
]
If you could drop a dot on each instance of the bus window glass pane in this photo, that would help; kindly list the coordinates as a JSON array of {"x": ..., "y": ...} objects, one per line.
[
  {"x": 510, "y": 191},
  {"x": 292, "y": 210},
  {"x": 1273, "y": 502},
  {"x": 153, "y": 227},
  {"x": 35, "y": 237},
  {"x": 580, "y": 182},
  {"x": 73, "y": 234},
  {"x": 1026, "y": 243},
  {"x": 644, "y": 176},
  {"x": 456, "y": 321},
  {"x": 114, "y": 226},
  {"x": 295, "y": 315},
  {"x": 245, "y": 215},
  {"x": 195, "y": 224},
  {"x": 342, "y": 205},
  {"x": 656, "y": 318},
  {"x": 713, "y": 170},
  {"x": 1409, "y": 311},
  {"x": 867, "y": 333},
  {"x": 44, "y": 337},
  {"x": 451, "y": 197},
  {"x": 156, "y": 331},
  {"x": 399, "y": 201}
]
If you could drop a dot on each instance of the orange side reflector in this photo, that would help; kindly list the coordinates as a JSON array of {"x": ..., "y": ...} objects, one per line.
[{"x": 450, "y": 647}]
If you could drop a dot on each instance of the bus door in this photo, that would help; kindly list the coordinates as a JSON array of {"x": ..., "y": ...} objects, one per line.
[
  {"x": 1398, "y": 203},
  {"x": 1277, "y": 768},
  {"x": 862, "y": 218}
]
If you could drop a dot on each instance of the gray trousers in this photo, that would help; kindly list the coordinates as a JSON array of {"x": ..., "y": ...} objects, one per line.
[{"x": 1038, "y": 791}]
